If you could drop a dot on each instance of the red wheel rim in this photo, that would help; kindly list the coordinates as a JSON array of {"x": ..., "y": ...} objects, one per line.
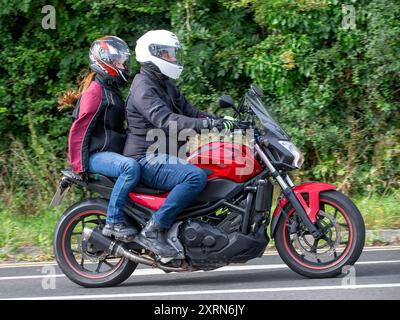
[
  {"x": 295, "y": 256},
  {"x": 70, "y": 258}
]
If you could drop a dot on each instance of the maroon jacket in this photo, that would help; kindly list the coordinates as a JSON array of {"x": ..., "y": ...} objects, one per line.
[{"x": 98, "y": 124}]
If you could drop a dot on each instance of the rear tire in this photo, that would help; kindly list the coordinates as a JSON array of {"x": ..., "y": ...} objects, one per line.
[
  {"x": 66, "y": 258},
  {"x": 351, "y": 252}
]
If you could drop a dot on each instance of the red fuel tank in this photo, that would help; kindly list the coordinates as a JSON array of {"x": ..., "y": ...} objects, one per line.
[{"x": 231, "y": 161}]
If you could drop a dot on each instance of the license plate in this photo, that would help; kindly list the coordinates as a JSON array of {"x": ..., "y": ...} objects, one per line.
[{"x": 59, "y": 196}]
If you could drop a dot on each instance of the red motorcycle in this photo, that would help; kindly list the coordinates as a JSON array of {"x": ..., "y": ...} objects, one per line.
[{"x": 317, "y": 230}]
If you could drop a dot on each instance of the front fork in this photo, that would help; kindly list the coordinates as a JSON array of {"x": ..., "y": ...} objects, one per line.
[{"x": 286, "y": 185}]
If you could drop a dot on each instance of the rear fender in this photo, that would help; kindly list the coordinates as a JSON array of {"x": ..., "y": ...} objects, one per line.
[{"x": 308, "y": 189}]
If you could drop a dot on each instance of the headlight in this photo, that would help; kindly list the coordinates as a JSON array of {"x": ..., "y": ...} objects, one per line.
[{"x": 298, "y": 156}]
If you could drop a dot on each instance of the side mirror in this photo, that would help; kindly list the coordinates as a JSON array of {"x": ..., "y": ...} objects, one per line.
[{"x": 226, "y": 102}]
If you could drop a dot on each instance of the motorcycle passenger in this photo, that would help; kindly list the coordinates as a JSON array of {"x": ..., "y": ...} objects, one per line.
[
  {"x": 97, "y": 135},
  {"x": 154, "y": 102}
]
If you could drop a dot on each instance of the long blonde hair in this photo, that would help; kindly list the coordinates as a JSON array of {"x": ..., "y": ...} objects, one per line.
[{"x": 70, "y": 97}]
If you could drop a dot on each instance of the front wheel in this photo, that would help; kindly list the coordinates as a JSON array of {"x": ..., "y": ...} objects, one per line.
[{"x": 341, "y": 244}]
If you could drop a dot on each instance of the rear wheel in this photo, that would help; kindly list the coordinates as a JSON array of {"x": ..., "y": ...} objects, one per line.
[
  {"x": 341, "y": 244},
  {"x": 85, "y": 265}
]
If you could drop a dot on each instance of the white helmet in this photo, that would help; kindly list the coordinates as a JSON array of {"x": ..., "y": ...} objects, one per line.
[{"x": 162, "y": 48}]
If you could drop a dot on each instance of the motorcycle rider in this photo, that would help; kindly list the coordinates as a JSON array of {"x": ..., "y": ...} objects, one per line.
[
  {"x": 155, "y": 102},
  {"x": 97, "y": 135}
]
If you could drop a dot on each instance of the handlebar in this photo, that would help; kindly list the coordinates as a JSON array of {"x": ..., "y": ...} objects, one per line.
[{"x": 242, "y": 124}]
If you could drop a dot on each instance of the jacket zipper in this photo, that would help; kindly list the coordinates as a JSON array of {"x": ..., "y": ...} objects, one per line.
[{"x": 104, "y": 125}]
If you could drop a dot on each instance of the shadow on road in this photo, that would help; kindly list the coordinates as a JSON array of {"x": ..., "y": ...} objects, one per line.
[{"x": 218, "y": 278}]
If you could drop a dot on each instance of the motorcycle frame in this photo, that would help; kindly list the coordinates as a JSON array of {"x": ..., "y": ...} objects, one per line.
[
  {"x": 291, "y": 194},
  {"x": 142, "y": 214}
]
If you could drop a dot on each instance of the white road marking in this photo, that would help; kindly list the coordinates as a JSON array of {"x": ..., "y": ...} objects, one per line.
[
  {"x": 266, "y": 253},
  {"x": 145, "y": 272},
  {"x": 377, "y": 262},
  {"x": 367, "y": 249},
  {"x": 32, "y": 277},
  {"x": 26, "y": 264},
  {"x": 388, "y": 248},
  {"x": 210, "y": 292}
]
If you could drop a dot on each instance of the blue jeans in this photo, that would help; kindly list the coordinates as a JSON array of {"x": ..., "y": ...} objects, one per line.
[
  {"x": 126, "y": 169},
  {"x": 167, "y": 172}
]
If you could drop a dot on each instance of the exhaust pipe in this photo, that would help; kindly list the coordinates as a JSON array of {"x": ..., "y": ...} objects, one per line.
[{"x": 113, "y": 247}]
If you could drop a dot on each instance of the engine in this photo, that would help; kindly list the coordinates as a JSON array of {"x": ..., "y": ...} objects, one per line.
[
  {"x": 196, "y": 234},
  {"x": 211, "y": 246}
]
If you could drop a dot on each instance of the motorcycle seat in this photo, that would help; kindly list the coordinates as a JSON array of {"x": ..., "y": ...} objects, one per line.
[{"x": 109, "y": 182}]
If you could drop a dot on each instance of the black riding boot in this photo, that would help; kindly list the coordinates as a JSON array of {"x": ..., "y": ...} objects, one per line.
[
  {"x": 153, "y": 238},
  {"x": 120, "y": 231}
]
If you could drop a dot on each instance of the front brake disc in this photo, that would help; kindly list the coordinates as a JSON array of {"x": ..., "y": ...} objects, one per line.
[{"x": 304, "y": 242}]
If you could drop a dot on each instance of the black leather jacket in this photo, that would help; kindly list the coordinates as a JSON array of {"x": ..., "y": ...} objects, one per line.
[{"x": 153, "y": 103}]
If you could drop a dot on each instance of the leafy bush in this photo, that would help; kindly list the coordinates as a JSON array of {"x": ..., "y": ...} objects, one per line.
[{"x": 335, "y": 90}]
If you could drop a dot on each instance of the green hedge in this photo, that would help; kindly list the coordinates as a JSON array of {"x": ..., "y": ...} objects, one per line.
[{"x": 334, "y": 89}]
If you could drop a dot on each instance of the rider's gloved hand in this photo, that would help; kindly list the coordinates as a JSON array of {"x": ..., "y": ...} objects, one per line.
[
  {"x": 225, "y": 123},
  {"x": 230, "y": 118}
]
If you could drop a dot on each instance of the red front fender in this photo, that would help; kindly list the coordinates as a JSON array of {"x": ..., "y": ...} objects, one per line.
[{"x": 312, "y": 190}]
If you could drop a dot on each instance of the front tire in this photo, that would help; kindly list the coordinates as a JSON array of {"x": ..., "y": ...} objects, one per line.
[
  {"x": 71, "y": 257},
  {"x": 342, "y": 244}
]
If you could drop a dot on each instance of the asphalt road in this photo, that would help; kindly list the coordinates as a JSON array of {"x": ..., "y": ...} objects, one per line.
[{"x": 375, "y": 276}]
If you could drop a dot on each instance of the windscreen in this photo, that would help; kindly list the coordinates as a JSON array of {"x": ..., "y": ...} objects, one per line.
[{"x": 255, "y": 103}]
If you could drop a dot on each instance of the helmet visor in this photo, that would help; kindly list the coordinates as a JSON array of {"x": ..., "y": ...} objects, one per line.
[
  {"x": 167, "y": 53},
  {"x": 115, "y": 52},
  {"x": 122, "y": 61}
]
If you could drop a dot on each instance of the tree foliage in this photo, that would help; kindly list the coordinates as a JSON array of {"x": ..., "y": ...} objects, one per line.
[{"x": 334, "y": 89}]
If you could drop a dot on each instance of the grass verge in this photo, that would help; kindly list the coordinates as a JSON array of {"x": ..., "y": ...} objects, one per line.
[{"x": 29, "y": 237}]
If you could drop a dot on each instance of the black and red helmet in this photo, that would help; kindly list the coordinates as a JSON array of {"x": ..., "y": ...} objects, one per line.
[{"x": 110, "y": 57}]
